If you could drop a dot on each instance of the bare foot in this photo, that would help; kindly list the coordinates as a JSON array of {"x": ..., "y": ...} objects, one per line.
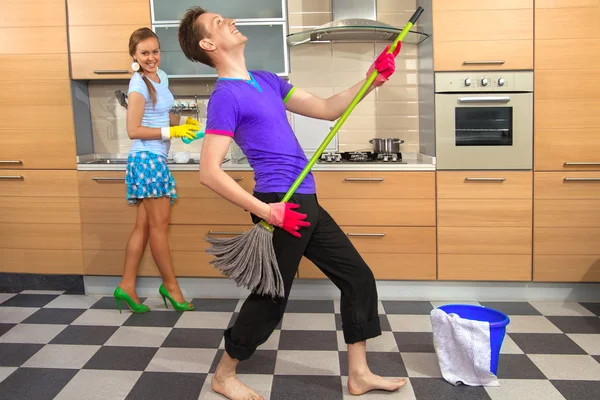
[
  {"x": 361, "y": 384},
  {"x": 232, "y": 388}
]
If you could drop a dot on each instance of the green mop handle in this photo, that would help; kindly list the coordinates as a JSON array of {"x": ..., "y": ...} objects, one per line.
[{"x": 351, "y": 107}]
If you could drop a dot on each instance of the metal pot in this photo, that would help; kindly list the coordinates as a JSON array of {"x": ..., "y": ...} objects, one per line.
[{"x": 386, "y": 145}]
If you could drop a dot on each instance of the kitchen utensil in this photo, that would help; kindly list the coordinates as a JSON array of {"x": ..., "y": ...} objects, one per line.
[
  {"x": 260, "y": 272},
  {"x": 181, "y": 157},
  {"x": 121, "y": 98},
  {"x": 386, "y": 145}
]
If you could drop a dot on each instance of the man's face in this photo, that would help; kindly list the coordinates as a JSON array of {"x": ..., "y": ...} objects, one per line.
[{"x": 222, "y": 32}]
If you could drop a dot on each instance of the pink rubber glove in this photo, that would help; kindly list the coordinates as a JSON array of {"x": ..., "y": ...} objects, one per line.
[
  {"x": 385, "y": 64},
  {"x": 283, "y": 217}
]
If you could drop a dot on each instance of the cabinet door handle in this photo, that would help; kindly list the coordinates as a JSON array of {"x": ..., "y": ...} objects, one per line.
[
  {"x": 12, "y": 178},
  {"x": 224, "y": 233},
  {"x": 111, "y": 71},
  {"x": 10, "y": 162},
  {"x": 581, "y": 163},
  {"x": 237, "y": 178},
  {"x": 467, "y": 179},
  {"x": 103, "y": 179},
  {"x": 483, "y": 62},
  {"x": 366, "y": 234},
  {"x": 363, "y": 179},
  {"x": 581, "y": 179},
  {"x": 487, "y": 99}
]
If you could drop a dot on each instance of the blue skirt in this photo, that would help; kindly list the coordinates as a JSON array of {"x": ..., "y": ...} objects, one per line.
[{"x": 147, "y": 177}]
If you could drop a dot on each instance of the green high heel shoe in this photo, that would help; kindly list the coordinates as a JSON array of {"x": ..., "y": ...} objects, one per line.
[
  {"x": 135, "y": 308},
  {"x": 183, "y": 306}
]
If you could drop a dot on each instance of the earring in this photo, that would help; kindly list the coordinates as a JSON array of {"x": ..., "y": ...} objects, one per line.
[{"x": 135, "y": 66}]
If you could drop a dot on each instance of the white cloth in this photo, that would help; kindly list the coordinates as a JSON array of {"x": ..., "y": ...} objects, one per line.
[{"x": 463, "y": 349}]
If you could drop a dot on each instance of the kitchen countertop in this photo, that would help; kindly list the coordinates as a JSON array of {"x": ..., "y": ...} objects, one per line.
[{"x": 412, "y": 162}]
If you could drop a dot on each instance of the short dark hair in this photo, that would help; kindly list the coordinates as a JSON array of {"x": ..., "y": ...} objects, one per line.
[{"x": 190, "y": 35}]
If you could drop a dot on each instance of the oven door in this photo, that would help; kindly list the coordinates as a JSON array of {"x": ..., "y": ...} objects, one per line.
[{"x": 484, "y": 130}]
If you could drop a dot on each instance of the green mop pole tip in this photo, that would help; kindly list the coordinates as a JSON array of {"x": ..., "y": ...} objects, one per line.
[{"x": 266, "y": 225}]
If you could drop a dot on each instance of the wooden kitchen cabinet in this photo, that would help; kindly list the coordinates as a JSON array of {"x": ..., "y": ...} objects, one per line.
[
  {"x": 566, "y": 227},
  {"x": 567, "y": 81},
  {"x": 388, "y": 216},
  {"x": 484, "y": 221},
  {"x": 99, "y": 36},
  {"x": 482, "y": 35}
]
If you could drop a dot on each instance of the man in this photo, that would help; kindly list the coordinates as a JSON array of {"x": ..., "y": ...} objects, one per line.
[{"x": 250, "y": 107}]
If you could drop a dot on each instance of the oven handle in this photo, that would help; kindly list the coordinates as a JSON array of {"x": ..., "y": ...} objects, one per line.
[{"x": 489, "y": 99}]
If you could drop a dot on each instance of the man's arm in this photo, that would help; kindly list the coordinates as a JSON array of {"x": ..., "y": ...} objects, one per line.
[
  {"x": 305, "y": 103},
  {"x": 214, "y": 149}
]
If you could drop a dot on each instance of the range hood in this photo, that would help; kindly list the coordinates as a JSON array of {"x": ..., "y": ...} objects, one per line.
[{"x": 354, "y": 21}]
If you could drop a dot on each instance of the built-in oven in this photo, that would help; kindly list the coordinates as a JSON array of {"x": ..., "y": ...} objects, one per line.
[{"x": 484, "y": 120}]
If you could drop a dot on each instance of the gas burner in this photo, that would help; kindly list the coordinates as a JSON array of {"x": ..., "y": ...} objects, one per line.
[{"x": 360, "y": 157}]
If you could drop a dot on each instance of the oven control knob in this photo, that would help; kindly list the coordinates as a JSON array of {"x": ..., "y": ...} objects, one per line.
[
  {"x": 500, "y": 82},
  {"x": 468, "y": 82},
  {"x": 484, "y": 82}
]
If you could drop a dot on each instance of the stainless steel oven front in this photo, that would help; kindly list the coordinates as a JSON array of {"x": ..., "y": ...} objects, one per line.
[{"x": 484, "y": 120}]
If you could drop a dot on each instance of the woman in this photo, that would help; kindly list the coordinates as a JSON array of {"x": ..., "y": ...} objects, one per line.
[{"x": 150, "y": 184}]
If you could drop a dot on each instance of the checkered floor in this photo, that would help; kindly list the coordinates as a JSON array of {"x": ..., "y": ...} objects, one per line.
[{"x": 55, "y": 346}]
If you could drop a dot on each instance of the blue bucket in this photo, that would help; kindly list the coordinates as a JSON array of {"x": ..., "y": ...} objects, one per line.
[{"x": 497, "y": 320}]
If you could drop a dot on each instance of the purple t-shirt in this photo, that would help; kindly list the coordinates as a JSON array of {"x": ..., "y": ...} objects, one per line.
[{"x": 253, "y": 113}]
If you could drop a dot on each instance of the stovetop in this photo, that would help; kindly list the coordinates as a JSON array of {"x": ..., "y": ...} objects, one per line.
[{"x": 357, "y": 157}]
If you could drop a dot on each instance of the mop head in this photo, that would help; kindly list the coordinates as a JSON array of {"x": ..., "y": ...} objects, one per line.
[{"x": 249, "y": 259}]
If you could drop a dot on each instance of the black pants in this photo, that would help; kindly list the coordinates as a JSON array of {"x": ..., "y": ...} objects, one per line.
[{"x": 326, "y": 245}]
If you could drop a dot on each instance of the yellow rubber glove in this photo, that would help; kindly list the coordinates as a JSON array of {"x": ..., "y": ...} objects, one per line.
[
  {"x": 188, "y": 121},
  {"x": 180, "y": 131}
]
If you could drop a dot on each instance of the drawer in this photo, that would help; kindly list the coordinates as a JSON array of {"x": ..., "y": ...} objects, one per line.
[
  {"x": 566, "y": 114},
  {"x": 565, "y": 3},
  {"x": 18, "y": 93},
  {"x": 27, "y": 183},
  {"x": 566, "y": 268},
  {"x": 567, "y": 185},
  {"x": 475, "y": 240},
  {"x": 185, "y": 263},
  {"x": 101, "y": 66},
  {"x": 385, "y": 267},
  {"x": 484, "y": 267},
  {"x": 579, "y": 148},
  {"x": 32, "y": 13},
  {"x": 484, "y": 185},
  {"x": 558, "y": 23},
  {"x": 381, "y": 212},
  {"x": 567, "y": 213},
  {"x": 188, "y": 184},
  {"x": 567, "y": 54},
  {"x": 181, "y": 237},
  {"x": 456, "y": 5},
  {"x": 484, "y": 212},
  {"x": 392, "y": 240},
  {"x": 583, "y": 84},
  {"x": 103, "y": 13},
  {"x": 25, "y": 67},
  {"x": 485, "y": 25},
  {"x": 561, "y": 241},
  {"x": 101, "y": 39},
  {"x": 112, "y": 184},
  {"x": 40, "y": 236},
  {"x": 472, "y": 55},
  {"x": 185, "y": 211},
  {"x": 42, "y": 261},
  {"x": 39, "y": 210},
  {"x": 38, "y": 41},
  {"x": 55, "y": 150},
  {"x": 380, "y": 185}
]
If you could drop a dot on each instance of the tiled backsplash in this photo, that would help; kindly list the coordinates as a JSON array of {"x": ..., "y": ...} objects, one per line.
[{"x": 323, "y": 69}]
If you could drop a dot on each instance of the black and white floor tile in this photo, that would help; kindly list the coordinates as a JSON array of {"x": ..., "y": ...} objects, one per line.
[{"x": 61, "y": 346}]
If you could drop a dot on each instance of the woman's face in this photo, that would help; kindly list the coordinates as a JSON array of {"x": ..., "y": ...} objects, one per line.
[{"x": 147, "y": 55}]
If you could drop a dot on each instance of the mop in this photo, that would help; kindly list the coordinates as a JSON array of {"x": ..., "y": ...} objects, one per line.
[{"x": 249, "y": 259}]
